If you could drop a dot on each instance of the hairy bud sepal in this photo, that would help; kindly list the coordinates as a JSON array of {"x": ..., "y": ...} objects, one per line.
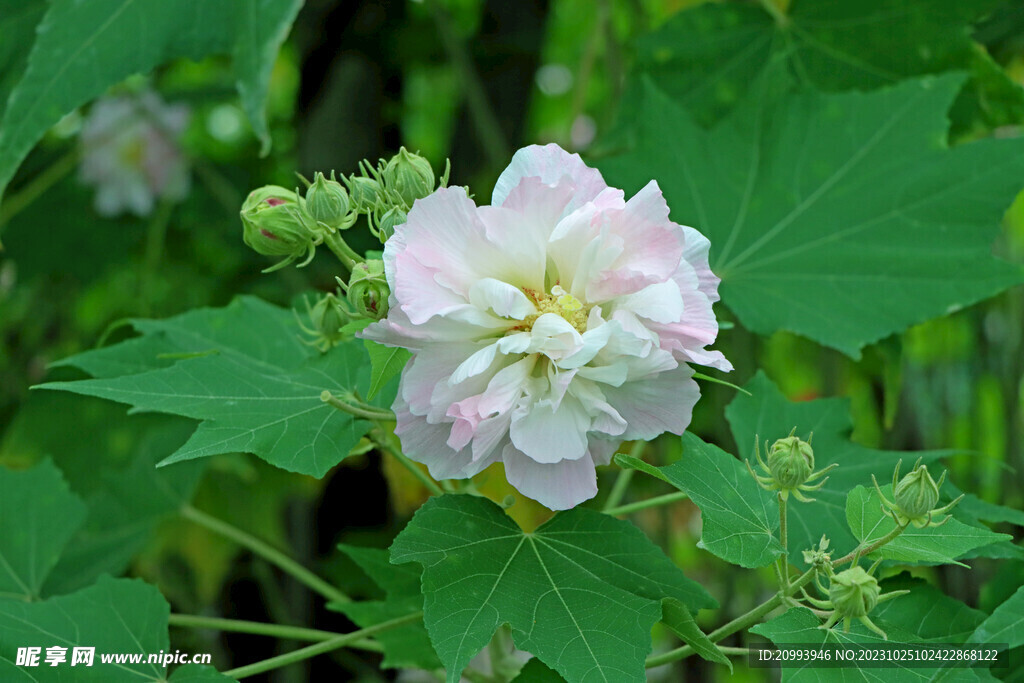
[
  {"x": 275, "y": 222},
  {"x": 790, "y": 467},
  {"x": 915, "y": 498},
  {"x": 368, "y": 290},
  {"x": 328, "y": 203}
]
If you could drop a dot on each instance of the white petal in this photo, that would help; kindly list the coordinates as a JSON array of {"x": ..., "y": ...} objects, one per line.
[
  {"x": 660, "y": 403},
  {"x": 502, "y": 298},
  {"x": 548, "y": 434},
  {"x": 551, "y": 164},
  {"x": 474, "y": 365},
  {"x": 560, "y": 486},
  {"x": 660, "y": 302}
]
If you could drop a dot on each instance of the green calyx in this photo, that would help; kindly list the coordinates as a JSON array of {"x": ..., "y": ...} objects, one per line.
[
  {"x": 409, "y": 176},
  {"x": 326, "y": 318},
  {"x": 915, "y": 498},
  {"x": 368, "y": 290},
  {"x": 387, "y": 222},
  {"x": 854, "y": 592},
  {"x": 328, "y": 203},
  {"x": 275, "y": 222},
  {"x": 790, "y": 467}
]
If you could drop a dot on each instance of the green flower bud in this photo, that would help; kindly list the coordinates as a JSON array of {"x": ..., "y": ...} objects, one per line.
[
  {"x": 328, "y": 202},
  {"x": 364, "y": 193},
  {"x": 368, "y": 290},
  {"x": 328, "y": 315},
  {"x": 275, "y": 223},
  {"x": 853, "y": 593},
  {"x": 791, "y": 462},
  {"x": 916, "y": 494},
  {"x": 409, "y": 176},
  {"x": 386, "y": 223}
]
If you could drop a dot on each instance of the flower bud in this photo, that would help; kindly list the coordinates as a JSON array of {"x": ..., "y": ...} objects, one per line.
[
  {"x": 327, "y": 202},
  {"x": 368, "y": 290},
  {"x": 386, "y": 224},
  {"x": 363, "y": 192},
  {"x": 853, "y": 592},
  {"x": 328, "y": 315},
  {"x": 916, "y": 494},
  {"x": 275, "y": 223},
  {"x": 791, "y": 462},
  {"x": 409, "y": 176}
]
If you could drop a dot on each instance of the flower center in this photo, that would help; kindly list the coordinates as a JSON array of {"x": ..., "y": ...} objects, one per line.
[{"x": 559, "y": 302}]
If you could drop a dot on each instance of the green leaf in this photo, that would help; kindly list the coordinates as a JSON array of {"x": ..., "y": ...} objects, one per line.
[
  {"x": 768, "y": 415},
  {"x": 1005, "y": 625},
  {"x": 925, "y": 611},
  {"x": 739, "y": 517},
  {"x": 198, "y": 673},
  {"x": 581, "y": 593},
  {"x": 708, "y": 56},
  {"x": 18, "y": 20},
  {"x": 385, "y": 363},
  {"x": 38, "y": 515},
  {"x": 931, "y": 545},
  {"x": 113, "y": 616},
  {"x": 83, "y": 48},
  {"x": 244, "y": 372},
  {"x": 536, "y": 671},
  {"x": 677, "y": 618},
  {"x": 406, "y": 646},
  {"x": 799, "y": 626},
  {"x": 838, "y": 217}
]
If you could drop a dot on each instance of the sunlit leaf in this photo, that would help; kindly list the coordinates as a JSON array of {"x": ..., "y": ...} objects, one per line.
[{"x": 581, "y": 593}]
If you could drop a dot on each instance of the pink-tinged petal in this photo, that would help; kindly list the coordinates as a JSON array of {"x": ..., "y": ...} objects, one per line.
[
  {"x": 695, "y": 252},
  {"x": 425, "y": 371},
  {"x": 548, "y": 434},
  {"x": 506, "y": 387},
  {"x": 490, "y": 437},
  {"x": 551, "y": 164},
  {"x": 428, "y": 444},
  {"x": 418, "y": 293},
  {"x": 660, "y": 403},
  {"x": 477, "y": 363},
  {"x": 467, "y": 418},
  {"x": 558, "y": 486},
  {"x": 653, "y": 247},
  {"x": 500, "y": 297}
]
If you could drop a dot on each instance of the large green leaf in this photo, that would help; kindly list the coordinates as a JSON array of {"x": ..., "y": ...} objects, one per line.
[
  {"x": 838, "y": 217},
  {"x": 768, "y": 415},
  {"x": 1005, "y": 625},
  {"x": 708, "y": 56},
  {"x": 581, "y": 593},
  {"x": 113, "y": 471},
  {"x": 679, "y": 620},
  {"x": 739, "y": 518},
  {"x": 38, "y": 515},
  {"x": 114, "y": 616},
  {"x": 246, "y": 373},
  {"x": 405, "y": 646},
  {"x": 931, "y": 545},
  {"x": 18, "y": 20},
  {"x": 82, "y": 48},
  {"x": 927, "y": 612}
]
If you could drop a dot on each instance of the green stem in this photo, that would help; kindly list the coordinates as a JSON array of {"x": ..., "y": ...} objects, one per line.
[
  {"x": 345, "y": 254},
  {"x": 383, "y": 443},
  {"x": 35, "y": 188},
  {"x": 740, "y": 622},
  {"x": 666, "y": 499},
  {"x": 625, "y": 476},
  {"x": 156, "y": 236},
  {"x": 363, "y": 411},
  {"x": 485, "y": 121},
  {"x": 784, "y": 538},
  {"x": 862, "y": 549},
  {"x": 319, "y": 648},
  {"x": 263, "y": 629},
  {"x": 267, "y": 552}
]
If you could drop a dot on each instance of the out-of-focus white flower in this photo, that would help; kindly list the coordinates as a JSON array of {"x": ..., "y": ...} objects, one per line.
[
  {"x": 130, "y": 153},
  {"x": 546, "y": 328}
]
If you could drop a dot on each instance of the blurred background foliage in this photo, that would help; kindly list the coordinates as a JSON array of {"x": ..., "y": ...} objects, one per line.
[{"x": 469, "y": 80}]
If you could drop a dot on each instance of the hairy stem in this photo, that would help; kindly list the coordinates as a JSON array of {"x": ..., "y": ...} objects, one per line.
[
  {"x": 319, "y": 648},
  {"x": 262, "y": 629},
  {"x": 741, "y": 622},
  {"x": 625, "y": 476},
  {"x": 345, "y": 254},
  {"x": 784, "y": 538},
  {"x": 267, "y": 552},
  {"x": 862, "y": 549},
  {"x": 362, "y": 410}
]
